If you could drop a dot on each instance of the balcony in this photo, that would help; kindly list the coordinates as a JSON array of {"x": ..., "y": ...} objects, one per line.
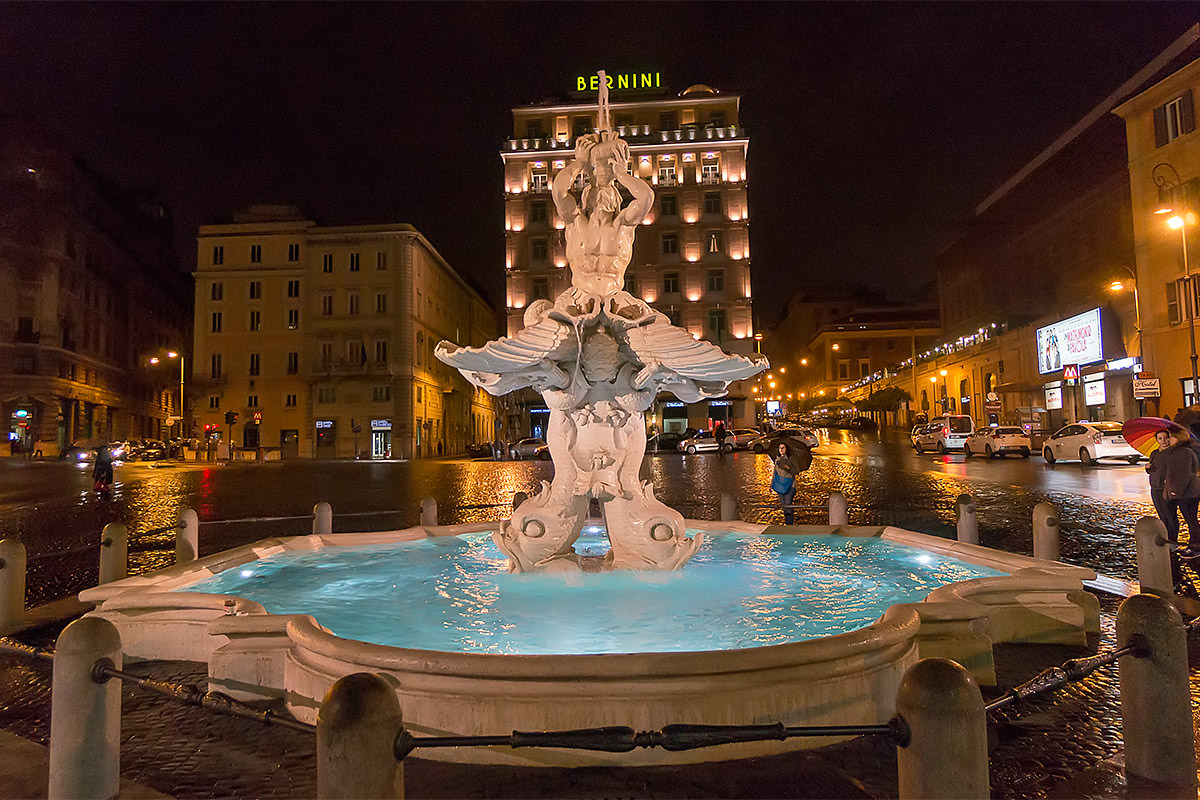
[
  {"x": 634, "y": 134},
  {"x": 345, "y": 368}
]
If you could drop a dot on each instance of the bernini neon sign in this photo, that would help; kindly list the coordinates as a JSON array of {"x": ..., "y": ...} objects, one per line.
[{"x": 629, "y": 80}]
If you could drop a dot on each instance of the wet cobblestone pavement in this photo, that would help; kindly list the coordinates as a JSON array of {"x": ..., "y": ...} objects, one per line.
[{"x": 1038, "y": 749}]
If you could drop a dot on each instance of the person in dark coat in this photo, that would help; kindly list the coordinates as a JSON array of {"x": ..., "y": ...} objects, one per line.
[
  {"x": 102, "y": 470},
  {"x": 1179, "y": 465},
  {"x": 788, "y": 467}
]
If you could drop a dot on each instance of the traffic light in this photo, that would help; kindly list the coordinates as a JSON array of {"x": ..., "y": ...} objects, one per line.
[{"x": 231, "y": 417}]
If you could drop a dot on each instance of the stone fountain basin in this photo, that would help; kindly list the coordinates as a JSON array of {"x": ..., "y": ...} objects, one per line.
[{"x": 847, "y": 678}]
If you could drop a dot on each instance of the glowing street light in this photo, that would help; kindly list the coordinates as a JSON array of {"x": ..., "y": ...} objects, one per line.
[
  {"x": 173, "y": 354},
  {"x": 1179, "y": 222}
]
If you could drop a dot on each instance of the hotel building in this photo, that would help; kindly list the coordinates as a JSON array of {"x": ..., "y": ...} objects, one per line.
[
  {"x": 691, "y": 260},
  {"x": 321, "y": 340}
]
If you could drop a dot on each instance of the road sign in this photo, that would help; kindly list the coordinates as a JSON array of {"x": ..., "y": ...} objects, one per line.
[
  {"x": 993, "y": 406},
  {"x": 1070, "y": 372},
  {"x": 1145, "y": 387}
]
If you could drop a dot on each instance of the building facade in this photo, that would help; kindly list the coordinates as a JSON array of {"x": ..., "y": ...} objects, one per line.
[
  {"x": 89, "y": 293},
  {"x": 1164, "y": 176},
  {"x": 691, "y": 259},
  {"x": 320, "y": 340}
]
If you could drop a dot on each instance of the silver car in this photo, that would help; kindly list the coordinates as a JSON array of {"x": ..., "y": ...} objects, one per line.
[{"x": 526, "y": 448}]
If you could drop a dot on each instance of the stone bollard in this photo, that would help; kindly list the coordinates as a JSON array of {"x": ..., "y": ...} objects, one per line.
[
  {"x": 12, "y": 582},
  {"x": 114, "y": 553},
  {"x": 429, "y": 511},
  {"x": 322, "y": 519},
  {"x": 966, "y": 521},
  {"x": 838, "y": 515},
  {"x": 1153, "y": 557},
  {"x": 85, "y": 716},
  {"x": 187, "y": 537},
  {"x": 518, "y": 498},
  {"x": 356, "y": 733},
  {"x": 947, "y": 754},
  {"x": 1045, "y": 532},
  {"x": 729, "y": 510},
  {"x": 1155, "y": 698}
]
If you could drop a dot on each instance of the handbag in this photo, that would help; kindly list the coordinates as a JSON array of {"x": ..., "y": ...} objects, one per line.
[{"x": 782, "y": 484}]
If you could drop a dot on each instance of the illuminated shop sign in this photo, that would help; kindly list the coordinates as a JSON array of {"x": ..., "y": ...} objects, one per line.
[
  {"x": 672, "y": 405},
  {"x": 381, "y": 424},
  {"x": 1053, "y": 399},
  {"x": 1070, "y": 341},
  {"x": 324, "y": 423},
  {"x": 720, "y": 402},
  {"x": 629, "y": 80}
]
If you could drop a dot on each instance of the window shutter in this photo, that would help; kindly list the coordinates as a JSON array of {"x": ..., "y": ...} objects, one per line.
[
  {"x": 1160, "y": 126},
  {"x": 1187, "y": 113}
]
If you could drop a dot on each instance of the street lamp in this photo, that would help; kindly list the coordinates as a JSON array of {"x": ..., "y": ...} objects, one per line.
[
  {"x": 1180, "y": 222},
  {"x": 1118, "y": 285},
  {"x": 945, "y": 392},
  {"x": 173, "y": 354}
]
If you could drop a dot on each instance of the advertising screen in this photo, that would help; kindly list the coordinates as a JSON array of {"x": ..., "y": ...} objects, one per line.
[
  {"x": 1053, "y": 399},
  {"x": 1093, "y": 393},
  {"x": 1070, "y": 341}
]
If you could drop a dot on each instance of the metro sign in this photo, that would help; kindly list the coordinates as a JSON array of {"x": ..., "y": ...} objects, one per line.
[{"x": 1070, "y": 372}]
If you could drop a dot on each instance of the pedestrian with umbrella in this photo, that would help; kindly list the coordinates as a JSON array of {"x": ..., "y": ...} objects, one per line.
[
  {"x": 1174, "y": 483},
  {"x": 787, "y": 469}
]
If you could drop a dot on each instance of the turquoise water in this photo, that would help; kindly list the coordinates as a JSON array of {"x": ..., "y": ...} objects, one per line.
[{"x": 453, "y": 594}]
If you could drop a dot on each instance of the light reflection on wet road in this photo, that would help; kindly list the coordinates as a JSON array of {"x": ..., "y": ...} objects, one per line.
[{"x": 50, "y": 505}]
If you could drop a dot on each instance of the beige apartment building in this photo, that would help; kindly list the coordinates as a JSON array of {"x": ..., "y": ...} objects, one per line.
[
  {"x": 1164, "y": 175},
  {"x": 321, "y": 340},
  {"x": 691, "y": 260}
]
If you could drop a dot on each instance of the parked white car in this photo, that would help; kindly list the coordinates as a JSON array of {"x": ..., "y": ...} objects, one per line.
[
  {"x": 741, "y": 437},
  {"x": 998, "y": 441},
  {"x": 1088, "y": 442},
  {"x": 768, "y": 442},
  {"x": 944, "y": 434},
  {"x": 529, "y": 448},
  {"x": 704, "y": 442}
]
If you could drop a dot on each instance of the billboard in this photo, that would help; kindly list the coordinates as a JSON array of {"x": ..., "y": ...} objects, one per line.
[
  {"x": 1093, "y": 393},
  {"x": 1053, "y": 399},
  {"x": 1070, "y": 341}
]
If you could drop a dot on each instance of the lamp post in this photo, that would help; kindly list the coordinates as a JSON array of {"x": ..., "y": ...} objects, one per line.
[
  {"x": 180, "y": 356},
  {"x": 945, "y": 391},
  {"x": 1118, "y": 285},
  {"x": 1179, "y": 222}
]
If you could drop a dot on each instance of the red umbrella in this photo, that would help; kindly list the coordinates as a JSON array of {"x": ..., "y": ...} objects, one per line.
[{"x": 1139, "y": 432}]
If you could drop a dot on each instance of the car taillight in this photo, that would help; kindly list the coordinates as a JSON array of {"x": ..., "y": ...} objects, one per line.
[
  {"x": 1097, "y": 438},
  {"x": 945, "y": 431}
]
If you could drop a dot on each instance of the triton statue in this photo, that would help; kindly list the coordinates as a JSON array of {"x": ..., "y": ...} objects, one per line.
[{"x": 598, "y": 356}]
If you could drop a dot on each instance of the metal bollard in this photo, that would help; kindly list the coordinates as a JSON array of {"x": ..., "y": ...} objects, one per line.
[
  {"x": 12, "y": 582},
  {"x": 187, "y": 537},
  {"x": 429, "y": 511},
  {"x": 1045, "y": 532},
  {"x": 966, "y": 521},
  {"x": 1155, "y": 697},
  {"x": 518, "y": 498},
  {"x": 947, "y": 754},
  {"x": 838, "y": 515},
  {"x": 322, "y": 519},
  {"x": 114, "y": 553},
  {"x": 85, "y": 716},
  {"x": 1153, "y": 557},
  {"x": 729, "y": 510},
  {"x": 356, "y": 733}
]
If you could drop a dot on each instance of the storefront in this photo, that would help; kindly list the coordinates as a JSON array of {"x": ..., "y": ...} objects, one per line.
[
  {"x": 381, "y": 438},
  {"x": 326, "y": 438},
  {"x": 674, "y": 416}
]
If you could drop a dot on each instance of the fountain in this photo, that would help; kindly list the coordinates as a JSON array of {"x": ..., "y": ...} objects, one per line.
[{"x": 598, "y": 356}]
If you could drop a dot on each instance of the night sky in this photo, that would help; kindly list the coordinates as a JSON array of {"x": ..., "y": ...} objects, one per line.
[{"x": 874, "y": 128}]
